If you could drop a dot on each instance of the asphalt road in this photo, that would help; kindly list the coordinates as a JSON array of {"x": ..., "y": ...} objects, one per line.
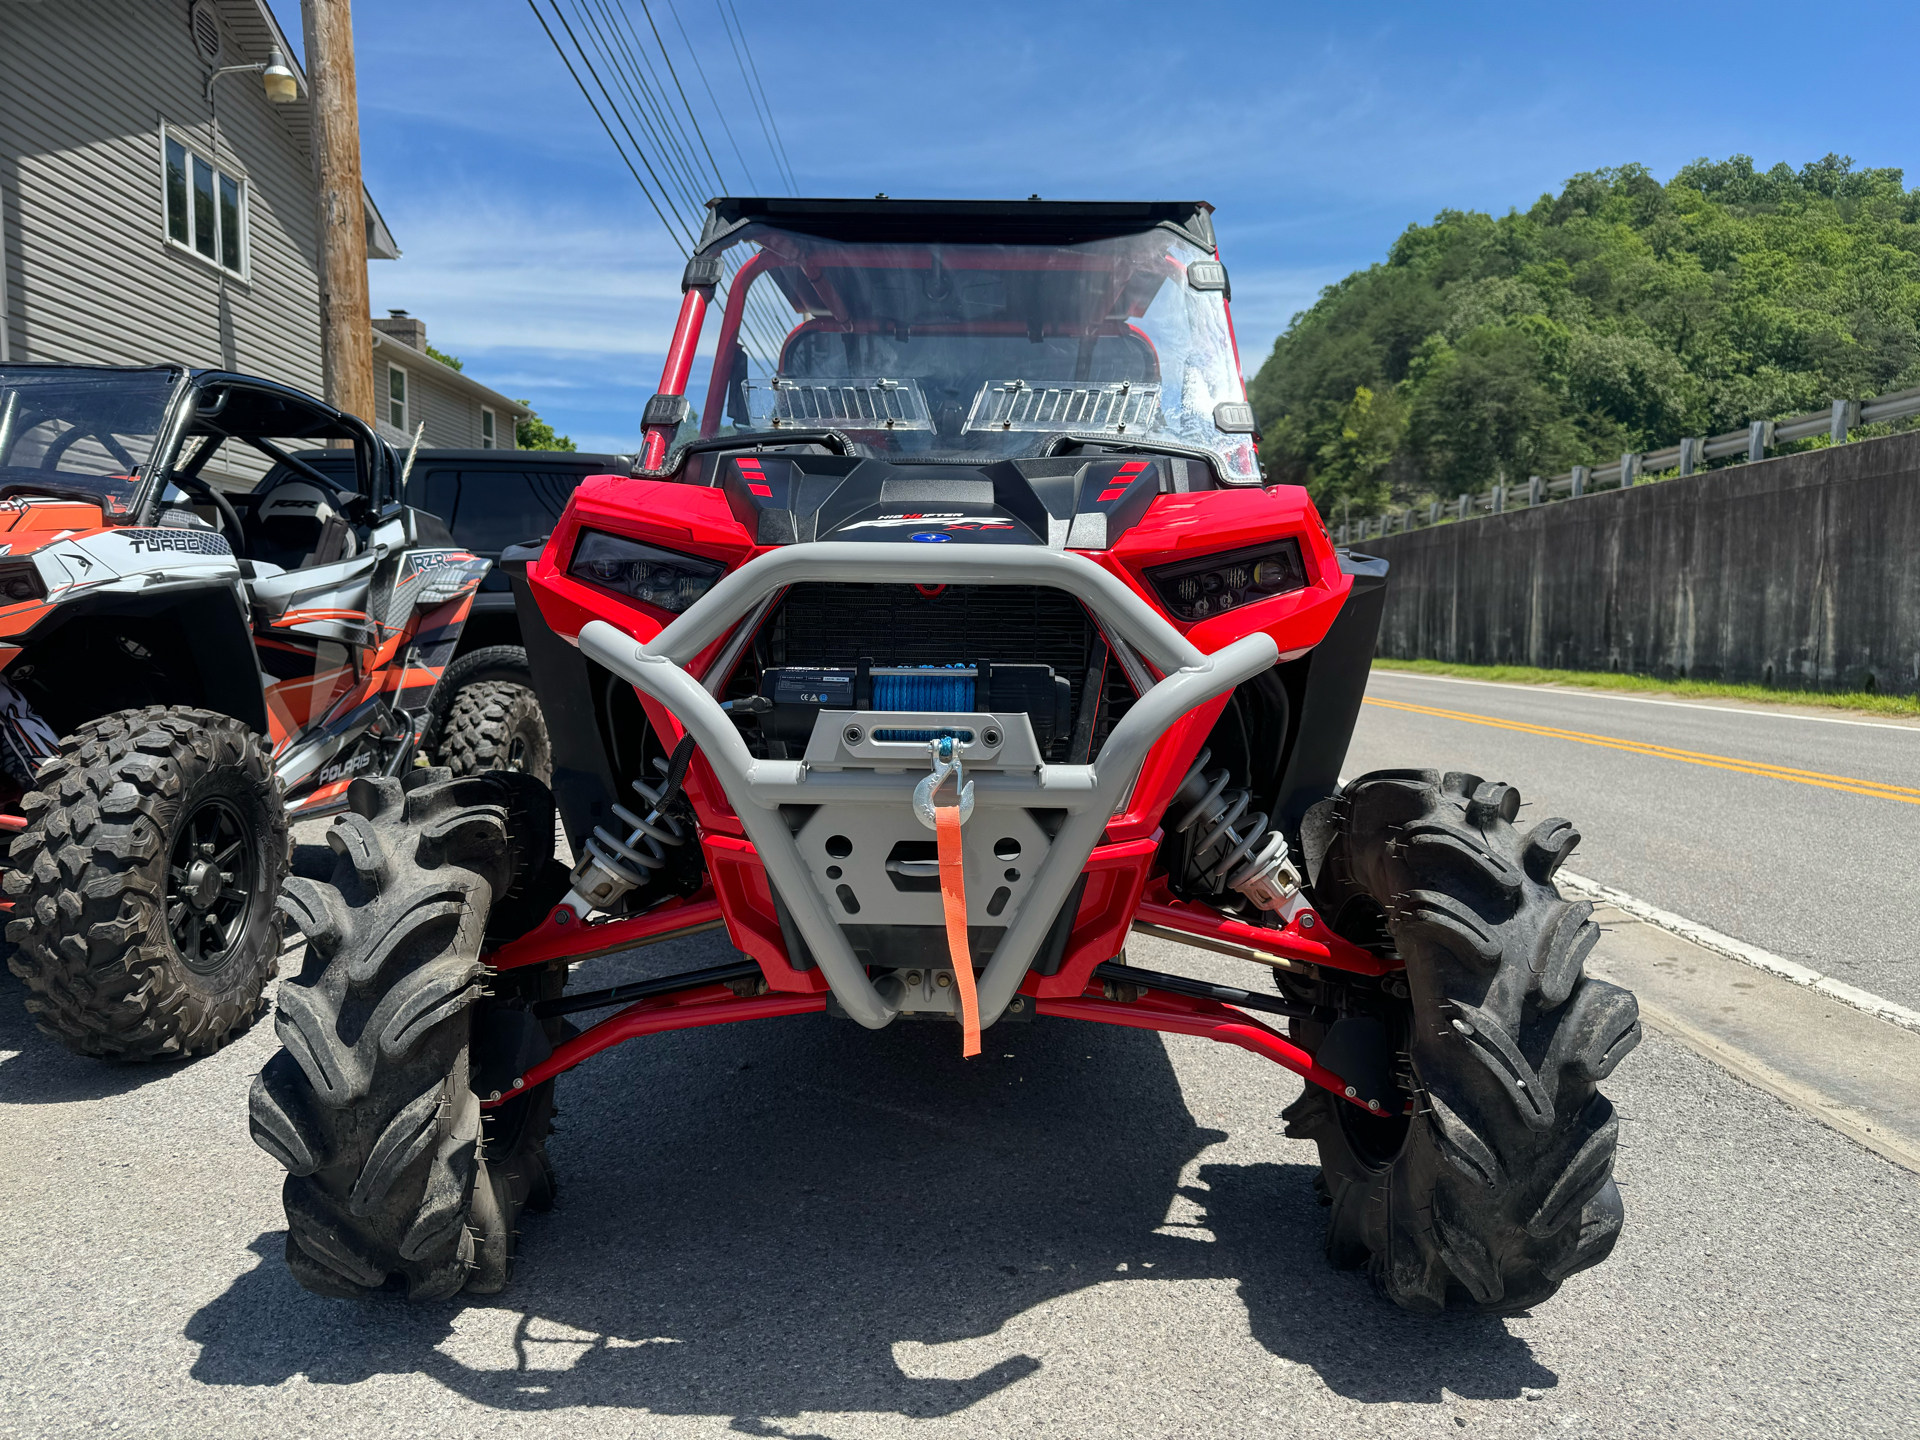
[
  {"x": 801, "y": 1228},
  {"x": 1820, "y": 869}
]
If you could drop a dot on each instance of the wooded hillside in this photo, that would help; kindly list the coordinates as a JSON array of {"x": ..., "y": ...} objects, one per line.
[{"x": 1621, "y": 314}]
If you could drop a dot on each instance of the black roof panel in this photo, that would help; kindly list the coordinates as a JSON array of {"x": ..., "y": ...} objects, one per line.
[{"x": 1002, "y": 222}]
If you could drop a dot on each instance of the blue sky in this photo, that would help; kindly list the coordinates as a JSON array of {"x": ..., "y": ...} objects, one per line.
[{"x": 1319, "y": 131}]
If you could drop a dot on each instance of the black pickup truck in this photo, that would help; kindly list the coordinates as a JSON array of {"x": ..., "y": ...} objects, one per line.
[{"x": 483, "y": 714}]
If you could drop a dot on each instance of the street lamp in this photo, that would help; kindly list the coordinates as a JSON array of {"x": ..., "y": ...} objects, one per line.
[{"x": 281, "y": 86}]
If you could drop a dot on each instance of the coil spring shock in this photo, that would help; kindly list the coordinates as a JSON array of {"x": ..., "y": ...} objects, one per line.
[
  {"x": 612, "y": 866},
  {"x": 1233, "y": 849}
]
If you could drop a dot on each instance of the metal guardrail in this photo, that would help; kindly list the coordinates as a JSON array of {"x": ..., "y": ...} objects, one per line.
[{"x": 1632, "y": 469}]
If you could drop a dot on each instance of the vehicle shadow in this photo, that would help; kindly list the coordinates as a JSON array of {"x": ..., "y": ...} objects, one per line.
[
  {"x": 766, "y": 1220},
  {"x": 40, "y": 1071},
  {"x": 312, "y": 858}
]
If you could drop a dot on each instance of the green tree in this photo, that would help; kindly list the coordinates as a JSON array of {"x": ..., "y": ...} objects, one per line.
[
  {"x": 1353, "y": 464},
  {"x": 533, "y": 433},
  {"x": 446, "y": 359},
  {"x": 1620, "y": 314}
]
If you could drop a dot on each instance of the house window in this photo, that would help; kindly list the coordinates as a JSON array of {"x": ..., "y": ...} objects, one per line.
[
  {"x": 486, "y": 428},
  {"x": 206, "y": 209},
  {"x": 396, "y": 397}
]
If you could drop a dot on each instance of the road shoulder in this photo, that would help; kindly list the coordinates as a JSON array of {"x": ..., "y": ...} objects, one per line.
[
  {"x": 1681, "y": 700},
  {"x": 1853, "y": 1071}
]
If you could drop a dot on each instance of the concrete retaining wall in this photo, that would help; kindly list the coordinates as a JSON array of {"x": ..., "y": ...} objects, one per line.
[{"x": 1796, "y": 571}]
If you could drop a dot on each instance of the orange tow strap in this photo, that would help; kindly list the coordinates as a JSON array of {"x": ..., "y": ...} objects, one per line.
[{"x": 953, "y": 896}]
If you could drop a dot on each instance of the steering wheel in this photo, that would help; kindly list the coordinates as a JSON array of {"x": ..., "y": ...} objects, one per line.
[{"x": 223, "y": 508}]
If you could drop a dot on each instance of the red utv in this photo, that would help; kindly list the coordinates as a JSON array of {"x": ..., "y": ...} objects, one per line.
[{"x": 957, "y": 639}]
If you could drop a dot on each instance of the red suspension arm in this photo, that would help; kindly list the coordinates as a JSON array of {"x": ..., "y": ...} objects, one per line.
[
  {"x": 1191, "y": 1016},
  {"x": 563, "y": 934},
  {"x": 1307, "y": 937},
  {"x": 706, "y": 1006}
]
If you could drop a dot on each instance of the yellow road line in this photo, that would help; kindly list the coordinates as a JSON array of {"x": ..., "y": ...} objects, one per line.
[{"x": 1851, "y": 784}]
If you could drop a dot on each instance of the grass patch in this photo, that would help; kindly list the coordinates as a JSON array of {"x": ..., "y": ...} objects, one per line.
[{"x": 1867, "y": 702}]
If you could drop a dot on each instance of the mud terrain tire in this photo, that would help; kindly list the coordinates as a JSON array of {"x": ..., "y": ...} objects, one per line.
[
  {"x": 494, "y": 726},
  {"x": 396, "y": 1180},
  {"x": 1500, "y": 1186},
  {"x": 107, "y": 938}
]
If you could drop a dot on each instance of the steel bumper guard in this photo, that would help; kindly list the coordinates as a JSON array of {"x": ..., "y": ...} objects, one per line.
[{"x": 849, "y": 767}]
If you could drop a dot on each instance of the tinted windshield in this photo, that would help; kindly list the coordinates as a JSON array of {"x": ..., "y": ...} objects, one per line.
[
  {"x": 950, "y": 351},
  {"x": 80, "y": 431}
]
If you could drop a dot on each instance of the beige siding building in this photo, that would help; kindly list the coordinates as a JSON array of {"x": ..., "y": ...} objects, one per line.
[
  {"x": 140, "y": 220},
  {"x": 415, "y": 390},
  {"x": 150, "y": 214}
]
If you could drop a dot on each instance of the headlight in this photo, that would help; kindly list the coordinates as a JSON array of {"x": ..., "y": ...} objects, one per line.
[
  {"x": 1197, "y": 589},
  {"x": 659, "y": 577},
  {"x": 21, "y": 581}
]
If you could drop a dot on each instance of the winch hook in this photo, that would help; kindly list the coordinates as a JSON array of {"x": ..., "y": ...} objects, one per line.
[{"x": 947, "y": 762}]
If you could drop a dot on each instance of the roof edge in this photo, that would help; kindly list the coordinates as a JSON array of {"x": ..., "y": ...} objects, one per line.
[
  {"x": 918, "y": 221},
  {"x": 381, "y": 244},
  {"x": 458, "y": 379}
]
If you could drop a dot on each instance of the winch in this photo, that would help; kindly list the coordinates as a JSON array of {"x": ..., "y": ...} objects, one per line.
[{"x": 798, "y": 694}]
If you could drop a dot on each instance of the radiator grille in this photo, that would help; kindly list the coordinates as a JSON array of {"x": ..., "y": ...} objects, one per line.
[{"x": 837, "y": 624}]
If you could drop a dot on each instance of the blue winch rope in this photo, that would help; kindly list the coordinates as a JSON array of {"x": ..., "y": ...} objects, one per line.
[{"x": 932, "y": 691}]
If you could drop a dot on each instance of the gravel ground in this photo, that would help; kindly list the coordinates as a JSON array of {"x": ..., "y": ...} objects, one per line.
[{"x": 800, "y": 1228}]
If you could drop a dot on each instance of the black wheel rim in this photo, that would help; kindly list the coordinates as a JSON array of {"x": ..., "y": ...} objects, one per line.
[
  {"x": 517, "y": 753},
  {"x": 1378, "y": 1141},
  {"x": 212, "y": 873}
]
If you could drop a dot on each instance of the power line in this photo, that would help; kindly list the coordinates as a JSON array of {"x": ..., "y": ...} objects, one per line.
[
  {"x": 645, "y": 10},
  {"x": 758, "y": 324},
  {"x": 762, "y": 328},
  {"x": 628, "y": 77},
  {"x": 761, "y": 320},
  {"x": 665, "y": 222},
  {"x": 762, "y": 324},
  {"x": 752, "y": 99},
  {"x": 686, "y": 240},
  {"x": 751, "y": 326},
  {"x": 720, "y": 113},
  {"x": 792, "y": 184}
]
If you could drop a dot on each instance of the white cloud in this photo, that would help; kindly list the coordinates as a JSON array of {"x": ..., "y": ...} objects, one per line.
[{"x": 491, "y": 272}]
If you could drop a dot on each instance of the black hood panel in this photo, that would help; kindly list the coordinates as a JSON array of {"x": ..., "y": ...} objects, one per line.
[{"x": 1085, "y": 504}]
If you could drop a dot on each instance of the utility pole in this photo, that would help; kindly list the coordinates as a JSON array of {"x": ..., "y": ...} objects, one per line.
[{"x": 346, "y": 330}]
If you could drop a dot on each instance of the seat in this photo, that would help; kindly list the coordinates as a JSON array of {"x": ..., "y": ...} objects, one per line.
[{"x": 297, "y": 526}]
